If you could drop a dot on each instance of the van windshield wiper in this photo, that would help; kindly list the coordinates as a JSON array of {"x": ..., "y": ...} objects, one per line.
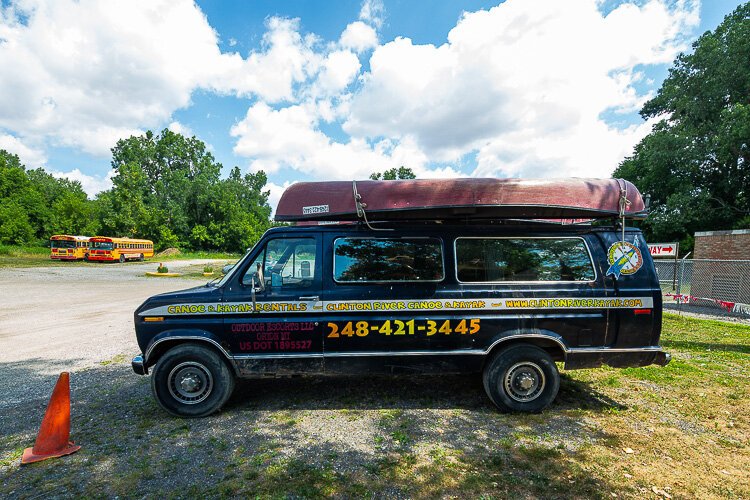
[{"x": 211, "y": 283}]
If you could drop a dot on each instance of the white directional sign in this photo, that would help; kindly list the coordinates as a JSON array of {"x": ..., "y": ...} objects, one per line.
[{"x": 663, "y": 249}]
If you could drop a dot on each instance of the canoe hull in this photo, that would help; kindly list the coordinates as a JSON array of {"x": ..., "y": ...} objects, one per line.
[{"x": 466, "y": 198}]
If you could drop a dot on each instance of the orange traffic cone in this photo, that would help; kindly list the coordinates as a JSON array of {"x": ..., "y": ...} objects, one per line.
[{"x": 52, "y": 440}]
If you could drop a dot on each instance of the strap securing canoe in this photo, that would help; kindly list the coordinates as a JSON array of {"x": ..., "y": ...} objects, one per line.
[
  {"x": 624, "y": 203},
  {"x": 360, "y": 206}
]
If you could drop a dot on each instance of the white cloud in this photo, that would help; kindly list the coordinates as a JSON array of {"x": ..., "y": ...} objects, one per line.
[
  {"x": 523, "y": 85},
  {"x": 373, "y": 12},
  {"x": 90, "y": 184},
  {"x": 359, "y": 37},
  {"x": 337, "y": 71},
  {"x": 29, "y": 156},
  {"x": 86, "y": 73},
  {"x": 179, "y": 128},
  {"x": 287, "y": 58},
  {"x": 276, "y": 190},
  {"x": 289, "y": 137}
]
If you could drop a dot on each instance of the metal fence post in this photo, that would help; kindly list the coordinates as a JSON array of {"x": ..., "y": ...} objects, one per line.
[{"x": 679, "y": 283}]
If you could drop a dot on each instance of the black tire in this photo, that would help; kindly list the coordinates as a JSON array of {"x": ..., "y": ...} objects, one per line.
[
  {"x": 521, "y": 378},
  {"x": 122, "y": 258},
  {"x": 206, "y": 379}
]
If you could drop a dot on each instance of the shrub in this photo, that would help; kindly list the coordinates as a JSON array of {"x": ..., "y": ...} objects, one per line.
[{"x": 208, "y": 269}]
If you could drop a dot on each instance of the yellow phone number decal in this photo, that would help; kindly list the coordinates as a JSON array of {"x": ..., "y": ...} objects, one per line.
[{"x": 398, "y": 327}]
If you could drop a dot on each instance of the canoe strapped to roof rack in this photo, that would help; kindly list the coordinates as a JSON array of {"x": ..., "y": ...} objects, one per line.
[{"x": 551, "y": 200}]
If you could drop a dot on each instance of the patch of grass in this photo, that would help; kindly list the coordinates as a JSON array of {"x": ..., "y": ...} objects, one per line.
[
  {"x": 283, "y": 478},
  {"x": 29, "y": 256},
  {"x": 119, "y": 358},
  {"x": 397, "y": 425},
  {"x": 12, "y": 458},
  {"x": 284, "y": 418},
  {"x": 351, "y": 415},
  {"x": 190, "y": 255}
]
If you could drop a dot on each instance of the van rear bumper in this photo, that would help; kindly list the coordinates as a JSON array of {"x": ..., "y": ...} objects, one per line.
[{"x": 593, "y": 357}]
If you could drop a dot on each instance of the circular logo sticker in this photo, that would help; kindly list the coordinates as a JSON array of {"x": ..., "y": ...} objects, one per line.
[{"x": 624, "y": 258}]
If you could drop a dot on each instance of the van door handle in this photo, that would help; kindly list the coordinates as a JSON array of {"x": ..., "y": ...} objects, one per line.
[{"x": 310, "y": 297}]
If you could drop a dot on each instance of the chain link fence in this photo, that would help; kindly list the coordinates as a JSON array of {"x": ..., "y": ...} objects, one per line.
[{"x": 709, "y": 286}]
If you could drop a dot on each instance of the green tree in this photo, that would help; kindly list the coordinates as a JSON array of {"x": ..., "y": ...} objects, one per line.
[
  {"x": 34, "y": 204},
  {"x": 393, "y": 174},
  {"x": 168, "y": 188},
  {"x": 695, "y": 163}
]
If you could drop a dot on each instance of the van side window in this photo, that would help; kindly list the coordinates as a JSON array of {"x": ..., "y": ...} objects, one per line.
[
  {"x": 482, "y": 260},
  {"x": 286, "y": 263},
  {"x": 361, "y": 260}
]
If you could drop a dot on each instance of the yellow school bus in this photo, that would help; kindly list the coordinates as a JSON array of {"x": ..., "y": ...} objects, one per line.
[
  {"x": 67, "y": 247},
  {"x": 109, "y": 249}
]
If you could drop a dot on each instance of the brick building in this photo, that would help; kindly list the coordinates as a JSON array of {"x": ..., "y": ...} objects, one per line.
[
  {"x": 725, "y": 245},
  {"x": 728, "y": 281}
]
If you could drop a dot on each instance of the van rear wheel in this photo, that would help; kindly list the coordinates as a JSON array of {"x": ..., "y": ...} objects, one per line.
[
  {"x": 521, "y": 378},
  {"x": 191, "y": 381}
]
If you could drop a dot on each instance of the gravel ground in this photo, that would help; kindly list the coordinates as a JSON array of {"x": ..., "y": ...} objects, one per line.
[{"x": 55, "y": 319}]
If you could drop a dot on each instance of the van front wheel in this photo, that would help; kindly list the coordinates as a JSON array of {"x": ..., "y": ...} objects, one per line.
[
  {"x": 191, "y": 381},
  {"x": 521, "y": 378}
]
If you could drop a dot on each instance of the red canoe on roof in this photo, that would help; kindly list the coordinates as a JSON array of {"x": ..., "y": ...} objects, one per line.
[{"x": 466, "y": 198}]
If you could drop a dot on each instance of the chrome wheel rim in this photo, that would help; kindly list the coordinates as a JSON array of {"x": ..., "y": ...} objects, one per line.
[
  {"x": 524, "y": 382},
  {"x": 190, "y": 382}
]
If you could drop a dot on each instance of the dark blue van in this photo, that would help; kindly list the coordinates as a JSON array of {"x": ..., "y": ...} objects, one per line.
[{"x": 505, "y": 299}]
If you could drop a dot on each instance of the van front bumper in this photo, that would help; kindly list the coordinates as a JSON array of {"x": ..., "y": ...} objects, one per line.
[
  {"x": 138, "y": 366},
  {"x": 594, "y": 357},
  {"x": 662, "y": 358}
]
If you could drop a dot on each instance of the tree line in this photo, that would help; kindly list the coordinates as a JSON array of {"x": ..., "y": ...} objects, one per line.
[
  {"x": 166, "y": 187},
  {"x": 695, "y": 163}
]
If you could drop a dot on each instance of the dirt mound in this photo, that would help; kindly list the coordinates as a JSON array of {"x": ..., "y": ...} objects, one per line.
[{"x": 169, "y": 252}]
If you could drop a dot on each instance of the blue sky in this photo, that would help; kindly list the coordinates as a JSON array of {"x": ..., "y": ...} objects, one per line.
[{"x": 338, "y": 89}]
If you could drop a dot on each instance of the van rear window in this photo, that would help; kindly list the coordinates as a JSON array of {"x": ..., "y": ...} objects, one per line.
[
  {"x": 482, "y": 260},
  {"x": 361, "y": 260}
]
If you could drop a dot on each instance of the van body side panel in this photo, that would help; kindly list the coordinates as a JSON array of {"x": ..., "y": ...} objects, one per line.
[
  {"x": 178, "y": 315},
  {"x": 641, "y": 325},
  {"x": 449, "y": 325},
  {"x": 392, "y": 327},
  {"x": 282, "y": 335}
]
